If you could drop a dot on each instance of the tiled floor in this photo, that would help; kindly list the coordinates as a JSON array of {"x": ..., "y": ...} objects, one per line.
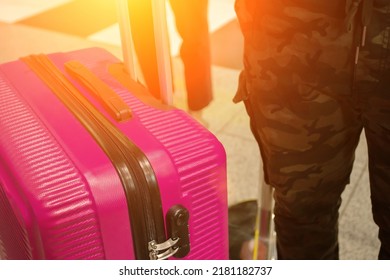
[{"x": 228, "y": 121}]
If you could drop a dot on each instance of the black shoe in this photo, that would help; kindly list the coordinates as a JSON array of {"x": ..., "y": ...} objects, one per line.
[{"x": 242, "y": 219}]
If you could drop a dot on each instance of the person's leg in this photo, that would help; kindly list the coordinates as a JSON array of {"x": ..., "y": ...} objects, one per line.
[
  {"x": 373, "y": 89},
  {"x": 308, "y": 162},
  {"x": 377, "y": 130},
  {"x": 297, "y": 90},
  {"x": 192, "y": 24}
]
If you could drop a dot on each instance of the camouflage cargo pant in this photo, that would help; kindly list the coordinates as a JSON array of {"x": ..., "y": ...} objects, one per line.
[{"x": 311, "y": 83}]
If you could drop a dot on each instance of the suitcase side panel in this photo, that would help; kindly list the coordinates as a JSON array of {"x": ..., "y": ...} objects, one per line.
[{"x": 63, "y": 207}]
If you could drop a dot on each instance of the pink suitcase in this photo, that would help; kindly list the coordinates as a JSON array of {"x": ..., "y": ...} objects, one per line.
[{"x": 111, "y": 176}]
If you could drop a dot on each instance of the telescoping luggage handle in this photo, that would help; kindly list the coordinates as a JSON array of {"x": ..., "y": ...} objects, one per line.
[
  {"x": 161, "y": 40},
  {"x": 265, "y": 235}
]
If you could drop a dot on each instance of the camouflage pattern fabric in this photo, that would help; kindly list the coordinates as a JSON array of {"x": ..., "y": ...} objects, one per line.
[{"x": 311, "y": 82}]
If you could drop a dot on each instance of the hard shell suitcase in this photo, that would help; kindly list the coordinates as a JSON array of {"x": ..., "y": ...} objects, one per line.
[{"x": 92, "y": 167}]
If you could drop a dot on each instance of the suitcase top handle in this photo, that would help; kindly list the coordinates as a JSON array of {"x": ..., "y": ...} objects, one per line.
[{"x": 112, "y": 102}]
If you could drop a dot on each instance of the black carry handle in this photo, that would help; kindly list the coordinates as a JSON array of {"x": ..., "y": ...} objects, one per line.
[{"x": 112, "y": 102}]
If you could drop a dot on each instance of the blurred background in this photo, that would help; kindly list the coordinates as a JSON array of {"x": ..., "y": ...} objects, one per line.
[{"x": 45, "y": 26}]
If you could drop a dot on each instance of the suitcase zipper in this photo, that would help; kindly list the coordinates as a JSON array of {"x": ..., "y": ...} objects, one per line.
[{"x": 132, "y": 166}]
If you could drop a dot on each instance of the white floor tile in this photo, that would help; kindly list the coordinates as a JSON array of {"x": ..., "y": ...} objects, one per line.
[
  {"x": 239, "y": 125},
  {"x": 359, "y": 169},
  {"x": 220, "y": 13},
  {"x": 109, "y": 35},
  {"x": 243, "y": 168}
]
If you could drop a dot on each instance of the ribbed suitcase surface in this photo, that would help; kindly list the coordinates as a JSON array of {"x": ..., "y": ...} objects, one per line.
[{"x": 61, "y": 197}]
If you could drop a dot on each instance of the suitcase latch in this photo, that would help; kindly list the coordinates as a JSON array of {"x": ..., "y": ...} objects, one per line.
[
  {"x": 166, "y": 248},
  {"x": 178, "y": 244}
]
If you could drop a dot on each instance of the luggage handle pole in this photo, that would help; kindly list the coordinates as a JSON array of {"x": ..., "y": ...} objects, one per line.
[
  {"x": 161, "y": 40},
  {"x": 126, "y": 37},
  {"x": 163, "y": 50},
  {"x": 265, "y": 236}
]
